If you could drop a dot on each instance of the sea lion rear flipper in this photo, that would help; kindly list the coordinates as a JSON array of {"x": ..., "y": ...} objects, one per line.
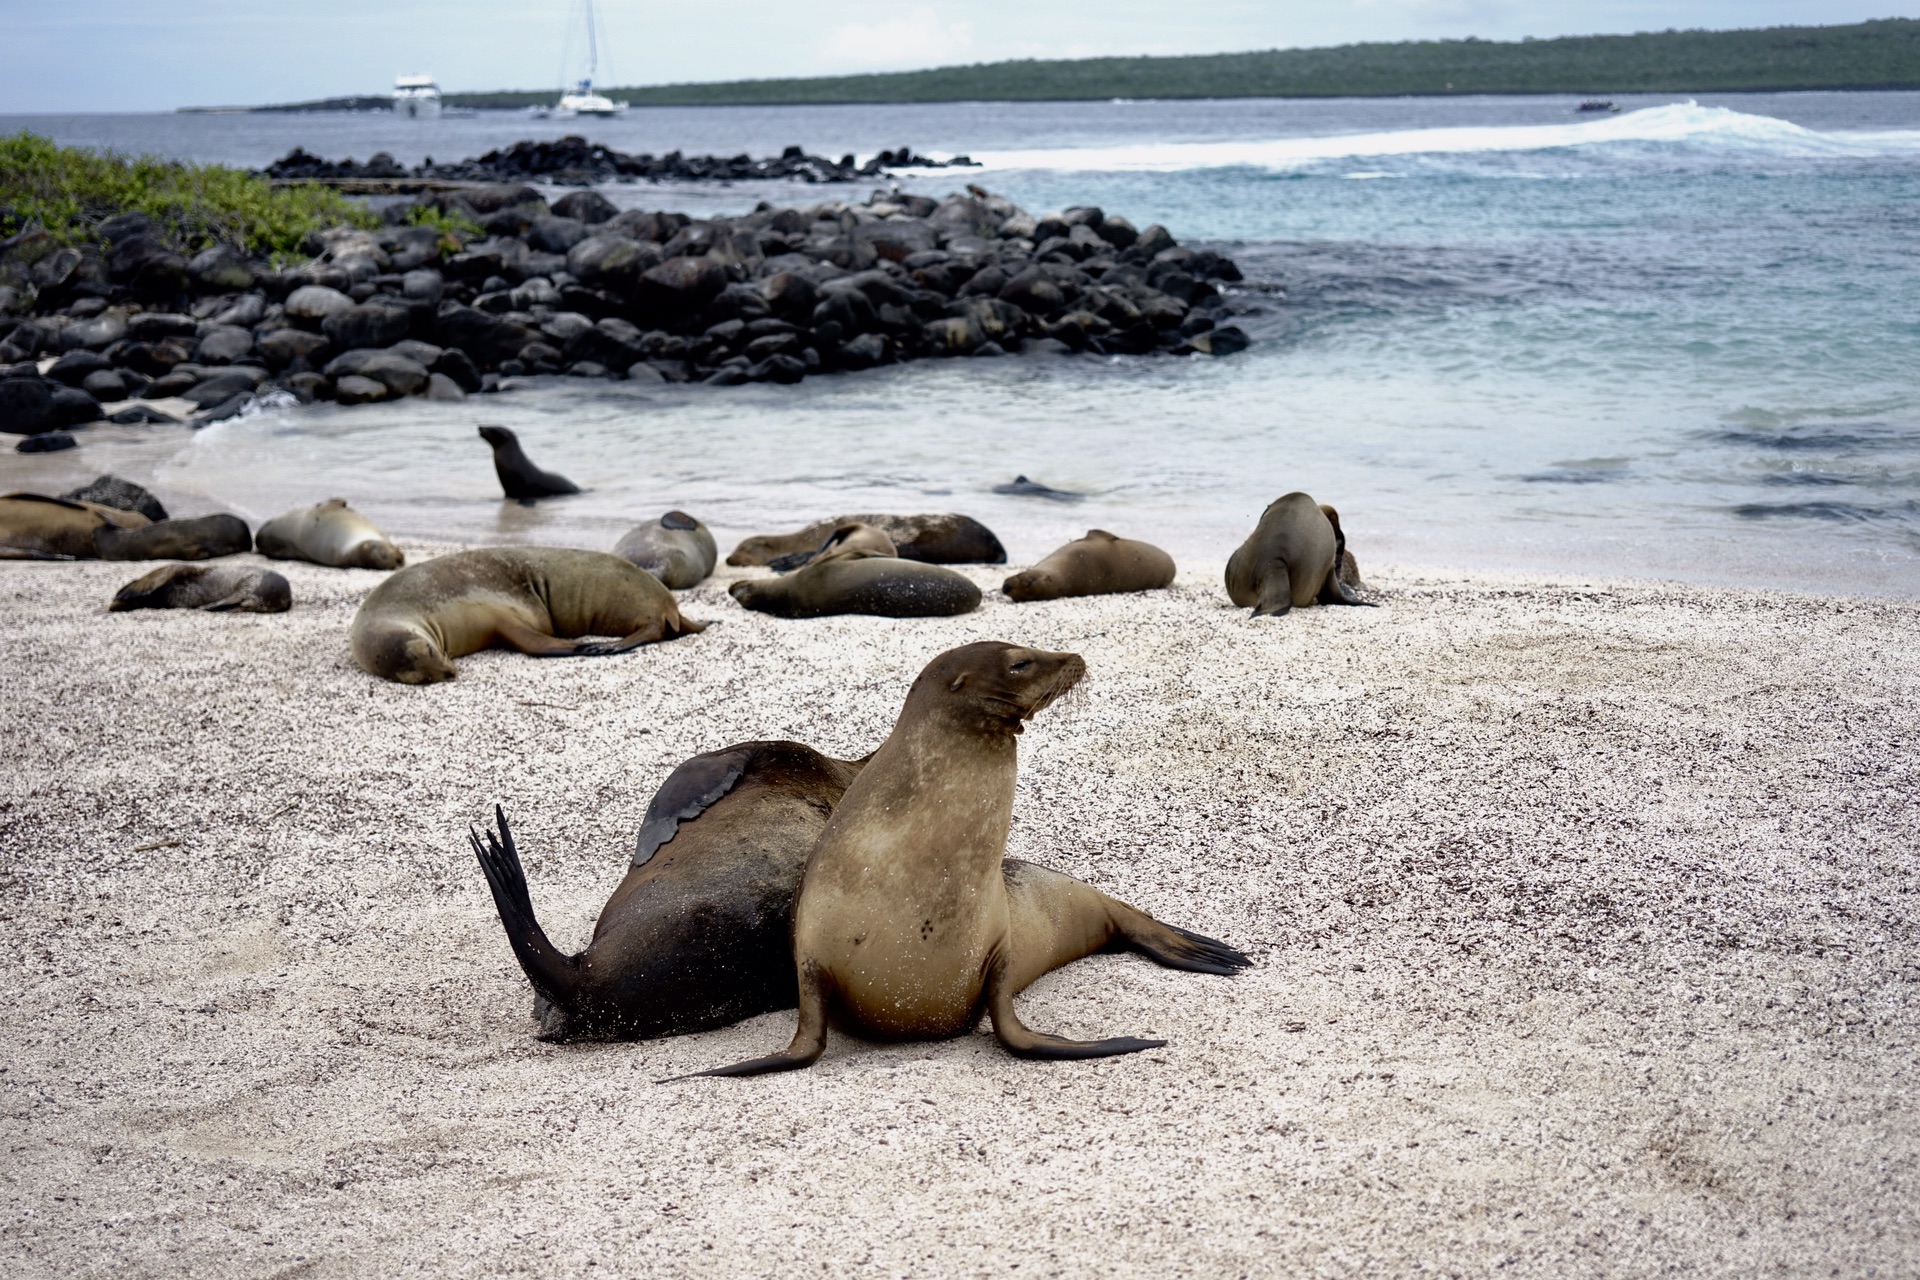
[
  {"x": 654, "y": 632},
  {"x": 1276, "y": 592},
  {"x": 553, "y": 975},
  {"x": 535, "y": 644},
  {"x": 809, "y": 1038},
  {"x": 1337, "y": 592},
  {"x": 1024, "y": 1042}
]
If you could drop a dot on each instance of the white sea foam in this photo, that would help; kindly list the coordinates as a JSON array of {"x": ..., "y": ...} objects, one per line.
[{"x": 1686, "y": 123}]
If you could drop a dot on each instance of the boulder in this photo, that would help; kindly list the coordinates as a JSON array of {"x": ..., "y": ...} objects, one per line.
[
  {"x": 778, "y": 368},
  {"x": 502, "y": 256},
  {"x": 47, "y": 442},
  {"x": 26, "y": 406},
  {"x": 679, "y": 288},
  {"x": 454, "y": 363},
  {"x": 421, "y": 353},
  {"x": 413, "y": 248},
  {"x": 148, "y": 265},
  {"x": 121, "y": 495},
  {"x": 224, "y": 345},
  {"x": 106, "y": 385},
  {"x": 282, "y": 347},
  {"x": 611, "y": 262},
  {"x": 487, "y": 339},
  {"x": 556, "y": 235},
  {"x": 565, "y": 326},
  {"x": 1152, "y": 241},
  {"x": 72, "y": 407},
  {"x": 152, "y": 326},
  {"x": 310, "y": 305},
  {"x": 399, "y": 375},
  {"x": 790, "y": 296},
  {"x": 865, "y": 351},
  {"x": 308, "y": 387},
  {"x": 1035, "y": 292},
  {"x": 248, "y": 309},
  {"x": 100, "y": 332},
  {"x": 220, "y": 388},
  {"x": 498, "y": 196},
  {"x": 441, "y": 387},
  {"x": 221, "y": 269},
  {"x": 588, "y": 206},
  {"x": 1118, "y": 232},
  {"x": 896, "y": 239},
  {"x": 955, "y": 336},
  {"x": 354, "y": 389},
  {"x": 423, "y": 286},
  {"x": 646, "y": 374},
  {"x": 612, "y": 343},
  {"x": 1225, "y": 340},
  {"x": 375, "y": 323},
  {"x": 76, "y": 367}
]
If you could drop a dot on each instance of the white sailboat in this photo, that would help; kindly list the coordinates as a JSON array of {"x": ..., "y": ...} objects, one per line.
[{"x": 582, "y": 100}]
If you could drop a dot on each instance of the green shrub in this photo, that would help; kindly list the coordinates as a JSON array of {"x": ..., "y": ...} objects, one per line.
[
  {"x": 71, "y": 191},
  {"x": 455, "y": 229}
]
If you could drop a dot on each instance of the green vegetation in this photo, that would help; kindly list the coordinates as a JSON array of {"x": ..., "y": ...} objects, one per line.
[
  {"x": 455, "y": 229},
  {"x": 71, "y": 191},
  {"x": 1866, "y": 55}
]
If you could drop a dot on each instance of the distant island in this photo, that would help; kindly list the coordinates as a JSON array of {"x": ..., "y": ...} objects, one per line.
[{"x": 1884, "y": 54}]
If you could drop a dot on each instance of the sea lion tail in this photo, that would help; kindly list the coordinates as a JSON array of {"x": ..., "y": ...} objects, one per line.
[{"x": 553, "y": 975}]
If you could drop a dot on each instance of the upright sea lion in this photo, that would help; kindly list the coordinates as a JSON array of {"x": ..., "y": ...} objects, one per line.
[
  {"x": 856, "y": 581},
  {"x": 931, "y": 539},
  {"x": 522, "y": 481},
  {"x": 1099, "y": 564},
  {"x": 201, "y": 538},
  {"x": 1293, "y": 557},
  {"x": 329, "y": 533},
  {"x": 676, "y": 548},
  {"x": 909, "y": 924},
  {"x": 215, "y": 588},
  {"x": 537, "y": 600},
  {"x": 36, "y": 527},
  {"x": 700, "y": 932},
  {"x": 848, "y": 537},
  {"x": 1021, "y": 487}
]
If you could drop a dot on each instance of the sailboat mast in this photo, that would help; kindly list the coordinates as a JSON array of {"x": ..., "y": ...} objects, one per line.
[{"x": 593, "y": 47}]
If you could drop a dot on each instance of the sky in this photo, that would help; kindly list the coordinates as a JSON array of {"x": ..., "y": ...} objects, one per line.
[{"x": 135, "y": 55}]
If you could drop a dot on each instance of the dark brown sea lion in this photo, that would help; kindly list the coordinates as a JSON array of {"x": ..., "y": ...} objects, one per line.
[
  {"x": 931, "y": 539},
  {"x": 1292, "y": 558},
  {"x": 36, "y": 527},
  {"x": 909, "y": 923},
  {"x": 848, "y": 537},
  {"x": 1021, "y": 487},
  {"x": 855, "y": 581},
  {"x": 522, "y": 481},
  {"x": 330, "y": 533},
  {"x": 537, "y": 600},
  {"x": 1099, "y": 564},
  {"x": 201, "y": 538},
  {"x": 214, "y": 588},
  {"x": 700, "y": 932},
  {"x": 676, "y": 548}
]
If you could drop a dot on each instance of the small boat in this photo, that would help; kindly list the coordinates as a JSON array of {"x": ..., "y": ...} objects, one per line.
[
  {"x": 582, "y": 100},
  {"x": 1594, "y": 106},
  {"x": 416, "y": 97}
]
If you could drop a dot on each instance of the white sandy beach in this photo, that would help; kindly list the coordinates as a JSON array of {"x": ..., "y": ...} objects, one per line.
[{"x": 1584, "y": 917}]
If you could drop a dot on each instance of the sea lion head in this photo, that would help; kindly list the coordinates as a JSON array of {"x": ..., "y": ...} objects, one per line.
[
  {"x": 992, "y": 686},
  {"x": 498, "y": 437},
  {"x": 403, "y": 654},
  {"x": 376, "y": 554},
  {"x": 679, "y": 520}
]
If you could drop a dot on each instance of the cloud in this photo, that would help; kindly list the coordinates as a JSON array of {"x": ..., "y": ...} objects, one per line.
[{"x": 918, "y": 38}]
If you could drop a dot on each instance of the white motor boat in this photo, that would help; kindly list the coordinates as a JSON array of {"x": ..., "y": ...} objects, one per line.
[{"x": 416, "y": 97}]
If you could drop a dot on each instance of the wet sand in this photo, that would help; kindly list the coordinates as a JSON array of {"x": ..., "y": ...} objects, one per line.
[{"x": 1584, "y": 917}]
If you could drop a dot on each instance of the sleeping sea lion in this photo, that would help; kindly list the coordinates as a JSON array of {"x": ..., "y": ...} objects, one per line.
[
  {"x": 1099, "y": 564},
  {"x": 200, "y": 538},
  {"x": 215, "y": 588},
  {"x": 856, "y": 581},
  {"x": 848, "y": 537},
  {"x": 36, "y": 527},
  {"x": 1293, "y": 557},
  {"x": 330, "y": 533},
  {"x": 522, "y": 481},
  {"x": 700, "y": 932},
  {"x": 909, "y": 923},
  {"x": 1021, "y": 487},
  {"x": 537, "y": 600},
  {"x": 931, "y": 539},
  {"x": 676, "y": 548}
]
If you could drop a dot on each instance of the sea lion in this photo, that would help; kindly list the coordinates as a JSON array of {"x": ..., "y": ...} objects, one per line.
[
  {"x": 36, "y": 527},
  {"x": 856, "y": 581},
  {"x": 537, "y": 600},
  {"x": 909, "y": 924},
  {"x": 676, "y": 548},
  {"x": 522, "y": 481},
  {"x": 201, "y": 538},
  {"x": 848, "y": 537},
  {"x": 1099, "y": 564},
  {"x": 330, "y": 533},
  {"x": 1293, "y": 557},
  {"x": 700, "y": 932},
  {"x": 215, "y": 588},
  {"x": 930, "y": 539},
  {"x": 1021, "y": 487}
]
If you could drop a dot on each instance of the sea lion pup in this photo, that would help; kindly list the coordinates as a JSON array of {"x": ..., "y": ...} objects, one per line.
[
  {"x": 200, "y": 538},
  {"x": 1100, "y": 564},
  {"x": 676, "y": 548},
  {"x": 908, "y": 924},
  {"x": 534, "y": 599},
  {"x": 36, "y": 527},
  {"x": 215, "y": 588},
  {"x": 1292, "y": 558},
  {"x": 1021, "y": 487},
  {"x": 857, "y": 581},
  {"x": 931, "y": 539},
  {"x": 700, "y": 932},
  {"x": 330, "y": 533},
  {"x": 522, "y": 481},
  {"x": 848, "y": 537}
]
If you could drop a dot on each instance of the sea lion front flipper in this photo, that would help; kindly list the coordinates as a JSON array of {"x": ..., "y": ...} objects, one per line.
[
  {"x": 535, "y": 644},
  {"x": 1024, "y": 1042},
  {"x": 1174, "y": 947},
  {"x": 809, "y": 1038},
  {"x": 689, "y": 791},
  {"x": 1338, "y": 592},
  {"x": 229, "y": 602}
]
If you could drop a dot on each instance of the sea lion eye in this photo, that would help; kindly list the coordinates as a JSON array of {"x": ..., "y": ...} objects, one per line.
[{"x": 1021, "y": 665}]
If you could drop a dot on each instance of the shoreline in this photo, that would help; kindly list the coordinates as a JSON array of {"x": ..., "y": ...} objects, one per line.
[{"x": 1582, "y": 917}]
